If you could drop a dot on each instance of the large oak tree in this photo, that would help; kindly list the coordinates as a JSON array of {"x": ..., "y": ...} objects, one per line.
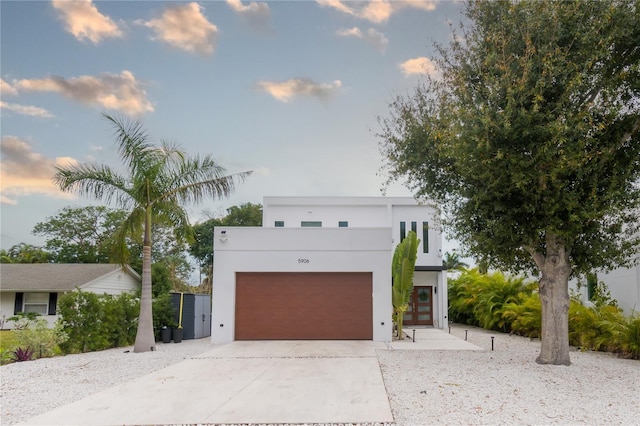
[
  {"x": 161, "y": 178},
  {"x": 528, "y": 137}
]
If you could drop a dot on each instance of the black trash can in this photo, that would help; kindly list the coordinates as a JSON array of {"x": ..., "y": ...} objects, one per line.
[
  {"x": 165, "y": 334},
  {"x": 177, "y": 335}
]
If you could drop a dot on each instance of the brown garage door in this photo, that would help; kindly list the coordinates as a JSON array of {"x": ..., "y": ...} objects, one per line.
[{"x": 298, "y": 305}]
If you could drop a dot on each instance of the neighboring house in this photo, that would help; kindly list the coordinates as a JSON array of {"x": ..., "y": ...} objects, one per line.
[
  {"x": 36, "y": 287},
  {"x": 320, "y": 268},
  {"x": 623, "y": 285}
]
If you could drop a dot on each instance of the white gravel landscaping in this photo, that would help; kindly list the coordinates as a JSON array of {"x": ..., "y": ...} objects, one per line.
[{"x": 504, "y": 386}]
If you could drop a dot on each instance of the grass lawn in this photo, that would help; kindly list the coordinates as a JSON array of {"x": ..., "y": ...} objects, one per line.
[{"x": 7, "y": 340}]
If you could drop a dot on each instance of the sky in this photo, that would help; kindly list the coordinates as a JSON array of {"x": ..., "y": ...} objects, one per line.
[{"x": 291, "y": 90}]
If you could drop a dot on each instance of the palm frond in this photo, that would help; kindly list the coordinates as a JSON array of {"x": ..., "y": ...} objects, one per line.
[
  {"x": 132, "y": 140},
  {"x": 99, "y": 182}
]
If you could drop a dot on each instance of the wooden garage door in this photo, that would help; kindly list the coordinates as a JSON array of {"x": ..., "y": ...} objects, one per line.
[{"x": 297, "y": 305}]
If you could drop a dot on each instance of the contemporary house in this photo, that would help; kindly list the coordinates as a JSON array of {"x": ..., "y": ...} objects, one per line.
[
  {"x": 36, "y": 287},
  {"x": 623, "y": 285},
  {"x": 320, "y": 268}
]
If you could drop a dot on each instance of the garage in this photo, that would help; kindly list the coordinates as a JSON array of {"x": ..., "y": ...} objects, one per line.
[{"x": 303, "y": 305}]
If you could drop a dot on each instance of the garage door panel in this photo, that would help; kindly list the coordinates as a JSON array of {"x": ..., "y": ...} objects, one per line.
[{"x": 303, "y": 306}]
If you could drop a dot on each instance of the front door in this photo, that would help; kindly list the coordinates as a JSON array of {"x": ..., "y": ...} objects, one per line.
[{"x": 420, "y": 310}]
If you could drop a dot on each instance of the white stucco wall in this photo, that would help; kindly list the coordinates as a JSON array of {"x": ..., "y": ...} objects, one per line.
[
  {"x": 253, "y": 249},
  {"x": 360, "y": 212},
  {"x": 624, "y": 285}
]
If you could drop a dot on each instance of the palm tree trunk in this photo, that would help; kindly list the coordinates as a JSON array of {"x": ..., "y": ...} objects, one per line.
[{"x": 145, "y": 340}]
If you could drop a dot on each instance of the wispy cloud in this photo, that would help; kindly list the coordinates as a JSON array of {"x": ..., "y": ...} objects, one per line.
[
  {"x": 420, "y": 65},
  {"x": 25, "y": 172},
  {"x": 85, "y": 22},
  {"x": 26, "y": 110},
  {"x": 7, "y": 89},
  {"x": 376, "y": 11},
  {"x": 256, "y": 14},
  {"x": 287, "y": 90},
  {"x": 120, "y": 92},
  {"x": 184, "y": 27},
  {"x": 371, "y": 36}
]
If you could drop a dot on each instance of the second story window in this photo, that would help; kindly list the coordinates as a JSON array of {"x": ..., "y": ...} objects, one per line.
[
  {"x": 279, "y": 224},
  {"x": 311, "y": 224},
  {"x": 425, "y": 237},
  {"x": 343, "y": 224}
]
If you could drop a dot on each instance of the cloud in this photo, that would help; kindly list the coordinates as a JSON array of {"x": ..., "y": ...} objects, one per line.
[
  {"x": 26, "y": 110},
  {"x": 7, "y": 89},
  {"x": 25, "y": 172},
  {"x": 120, "y": 92},
  {"x": 420, "y": 65},
  {"x": 376, "y": 11},
  {"x": 184, "y": 27},
  {"x": 257, "y": 15},
  {"x": 287, "y": 90},
  {"x": 371, "y": 36},
  {"x": 84, "y": 21}
]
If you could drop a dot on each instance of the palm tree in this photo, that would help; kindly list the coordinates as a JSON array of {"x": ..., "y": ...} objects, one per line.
[
  {"x": 453, "y": 262},
  {"x": 160, "y": 179}
]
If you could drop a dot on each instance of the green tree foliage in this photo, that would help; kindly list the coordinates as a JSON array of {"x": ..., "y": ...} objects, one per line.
[
  {"x": 25, "y": 253},
  {"x": 160, "y": 180},
  {"x": 529, "y": 138},
  {"x": 453, "y": 262},
  {"x": 403, "y": 265},
  {"x": 80, "y": 234}
]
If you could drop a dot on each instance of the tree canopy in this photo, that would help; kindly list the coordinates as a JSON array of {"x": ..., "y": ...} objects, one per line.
[
  {"x": 528, "y": 138},
  {"x": 80, "y": 234}
]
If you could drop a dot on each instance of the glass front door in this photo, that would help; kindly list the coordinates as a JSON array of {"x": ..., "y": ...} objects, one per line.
[{"x": 420, "y": 310}]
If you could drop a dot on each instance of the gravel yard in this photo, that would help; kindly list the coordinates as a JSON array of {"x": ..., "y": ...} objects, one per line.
[{"x": 504, "y": 386}]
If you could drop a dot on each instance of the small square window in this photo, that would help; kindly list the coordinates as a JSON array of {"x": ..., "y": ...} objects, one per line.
[
  {"x": 36, "y": 302},
  {"x": 279, "y": 224},
  {"x": 343, "y": 224}
]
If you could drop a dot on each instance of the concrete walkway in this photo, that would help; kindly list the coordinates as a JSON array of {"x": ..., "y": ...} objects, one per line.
[
  {"x": 432, "y": 339},
  {"x": 246, "y": 382}
]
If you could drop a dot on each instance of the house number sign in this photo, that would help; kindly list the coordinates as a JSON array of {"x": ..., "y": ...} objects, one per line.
[{"x": 303, "y": 260}]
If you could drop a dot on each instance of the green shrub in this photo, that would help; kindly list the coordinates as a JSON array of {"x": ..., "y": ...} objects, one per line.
[
  {"x": 163, "y": 313},
  {"x": 523, "y": 316},
  {"x": 42, "y": 340},
  {"x": 496, "y": 302},
  {"x": 95, "y": 322},
  {"x": 478, "y": 299},
  {"x": 120, "y": 319}
]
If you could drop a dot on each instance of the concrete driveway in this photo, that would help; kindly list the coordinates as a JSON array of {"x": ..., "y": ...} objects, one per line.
[{"x": 246, "y": 382}]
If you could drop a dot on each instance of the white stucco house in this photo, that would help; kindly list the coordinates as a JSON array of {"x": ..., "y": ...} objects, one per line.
[
  {"x": 622, "y": 283},
  {"x": 320, "y": 268},
  {"x": 36, "y": 287}
]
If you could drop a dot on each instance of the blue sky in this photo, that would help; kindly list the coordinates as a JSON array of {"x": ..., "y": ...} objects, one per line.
[{"x": 288, "y": 89}]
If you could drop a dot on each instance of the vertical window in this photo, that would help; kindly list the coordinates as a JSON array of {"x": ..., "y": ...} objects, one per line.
[
  {"x": 279, "y": 224},
  {"x": 403, "y": 230},
  {"x": 343, "y": 224},
  {"x": 36, "y": 302},
  {"x": 592, "y": 284},
  {"x": 311, "y": 224},
  {"x": 425, "y": 237},
  {"x": 414, "y": 227}
]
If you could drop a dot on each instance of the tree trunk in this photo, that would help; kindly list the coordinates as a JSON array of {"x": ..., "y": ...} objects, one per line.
[
  {"x": 145, "y": 340},
  {"x": 554, "y": 295}
]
